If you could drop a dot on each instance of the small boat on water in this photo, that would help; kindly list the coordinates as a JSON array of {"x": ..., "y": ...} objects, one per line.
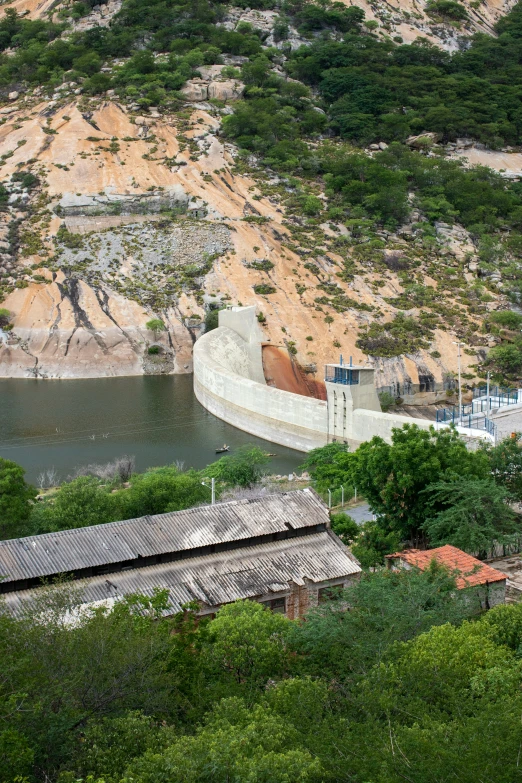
[{"x": 223, "y": 448}]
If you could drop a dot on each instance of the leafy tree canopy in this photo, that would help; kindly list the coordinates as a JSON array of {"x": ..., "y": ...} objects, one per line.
[{"x": 15, "y": 499}]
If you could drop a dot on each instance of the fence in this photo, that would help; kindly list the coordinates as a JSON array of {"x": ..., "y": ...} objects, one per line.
[
  {"x": 452, "y": 415},
  {"x": 468, "y": 418},
  {"x": 407, "y": 388},
  {"x": 478, "y": 423},
  {"x": 509, "y": 394}
]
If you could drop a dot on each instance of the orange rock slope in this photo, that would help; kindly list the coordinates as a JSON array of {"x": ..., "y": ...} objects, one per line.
[{"x": 71, "y": 328}]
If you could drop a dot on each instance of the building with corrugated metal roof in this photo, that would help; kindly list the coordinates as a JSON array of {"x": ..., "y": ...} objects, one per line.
[{"x": 277, "y": 549}]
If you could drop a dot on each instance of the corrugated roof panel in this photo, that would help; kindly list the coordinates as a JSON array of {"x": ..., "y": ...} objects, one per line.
[
  {"x": 70, "y": 550},
  {"x": 223, "y": 577}
]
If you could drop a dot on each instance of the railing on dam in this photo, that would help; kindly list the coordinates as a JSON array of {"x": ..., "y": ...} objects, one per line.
[{"x": 344, "y": 375}]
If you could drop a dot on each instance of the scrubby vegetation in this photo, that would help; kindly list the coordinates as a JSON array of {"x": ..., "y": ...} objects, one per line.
[{"x": 385, "y": 209}]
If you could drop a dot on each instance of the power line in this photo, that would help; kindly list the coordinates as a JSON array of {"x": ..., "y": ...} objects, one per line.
[
  {"x": 90, "y": 429},
  {"x": 87, "y": 437}
]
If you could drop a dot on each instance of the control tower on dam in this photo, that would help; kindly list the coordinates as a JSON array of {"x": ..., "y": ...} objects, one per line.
[{"x": 229, "y": 381}]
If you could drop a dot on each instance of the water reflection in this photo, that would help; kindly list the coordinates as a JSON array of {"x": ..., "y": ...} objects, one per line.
[{"x": 67, "y": 424}]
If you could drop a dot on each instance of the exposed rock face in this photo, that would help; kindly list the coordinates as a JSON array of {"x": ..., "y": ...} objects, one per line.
[
  {"x": 202, "y": 89},
  {"x": 107, "y": 166},
  {"x": 195, "y": 90},
  {"x": 225, "y": 91},
  {"x": 123, "y": 203},
  {"x": 69, "y": 330},
  {"x": 100, "y": 16}
]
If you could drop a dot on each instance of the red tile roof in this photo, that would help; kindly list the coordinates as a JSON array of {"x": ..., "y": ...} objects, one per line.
[{"x": 472, "y": 571}]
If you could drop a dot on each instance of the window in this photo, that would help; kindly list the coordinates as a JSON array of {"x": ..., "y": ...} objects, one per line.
[
  {"x": 327, "y": 593},
  {"x": 277, "y": 605}
]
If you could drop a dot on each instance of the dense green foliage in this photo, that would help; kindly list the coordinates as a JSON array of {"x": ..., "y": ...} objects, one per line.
[
  {"x": 243, "y": 468},
  {"x": 470, "y": 513},
  {"x": 425, "y": 488},
  {"x": 377, "y": 90},
  {"x": 252, "y": 696},
  {"x": 15, "y": 499}
]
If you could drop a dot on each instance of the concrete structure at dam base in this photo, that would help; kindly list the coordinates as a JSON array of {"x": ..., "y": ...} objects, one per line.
[{"x": 229, "y": 381}]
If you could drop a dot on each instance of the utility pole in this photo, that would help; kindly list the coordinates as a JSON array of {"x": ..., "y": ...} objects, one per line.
[
  {"x": 342, "y": 496},
  {"x": 488, "y": 401},
  {"x": 329, "y": 498},
  {"x": 212, "y": 487}
]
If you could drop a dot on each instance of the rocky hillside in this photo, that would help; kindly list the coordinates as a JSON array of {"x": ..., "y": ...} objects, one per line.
[{"x": 117, "y": 212}]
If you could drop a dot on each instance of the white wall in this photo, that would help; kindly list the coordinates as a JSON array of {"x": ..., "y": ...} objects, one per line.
[
  {"x": 224, "y": 385},
  {"x": 229, "y": 382}
]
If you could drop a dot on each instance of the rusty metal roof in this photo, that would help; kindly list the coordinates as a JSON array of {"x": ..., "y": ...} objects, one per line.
[
  {"x": 71, "y": 550},
  {"x": 218, "y": 578}
]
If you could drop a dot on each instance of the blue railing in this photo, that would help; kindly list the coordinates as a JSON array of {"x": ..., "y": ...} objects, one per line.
[
  {"x": 468, "y": 419},
  {"x": 477, "y": 423},
  {"x": 503, "y": 394},
  {"x": 452, "y": 414},
  {"x": 343, "y": 375}
]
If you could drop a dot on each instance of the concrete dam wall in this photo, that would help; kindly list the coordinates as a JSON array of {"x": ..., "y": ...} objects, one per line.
[{"x": 229, "y": 382}]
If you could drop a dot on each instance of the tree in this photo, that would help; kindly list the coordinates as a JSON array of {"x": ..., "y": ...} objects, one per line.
[
  {"x": 345, "y": 527},
  {"x": 156, "y": 326},
  {"x": 373, "y": 543},
  {"x": 248, "y": 643},
  {"x": 469, "y": 513},
  {"x": 5, "y": 317},
  {"x": 507, "y": 358},
  {"x": 235, "y": 743},
  {"x": 505, "y": 460},
  {"x": 392, "y": 476},
  {"x": 212, "y": 319},
  {"x": 110, "y": 744},
  {"x": 160, "y": 490},
  {"x": 58, "y": 676},
  {"x": 82, "y": 502},
  {"x": 330, "y": 467},
  {"x": 509, "y": 319},
  {"x": 16, "y": 500},
  {"x": 244, "y": 468},
  {"x": 385, "y": 607}
]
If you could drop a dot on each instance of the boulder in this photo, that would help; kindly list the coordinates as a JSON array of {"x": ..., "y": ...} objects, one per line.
[
  {"x": 423, "y": 140},
  {"x": 147, "y": 121},
  {"x": 225, "y": 91},
  {"x": 195, "y": 90},
  {"x": 13, "y": 95},
  {"x": 210, "y": 72}
]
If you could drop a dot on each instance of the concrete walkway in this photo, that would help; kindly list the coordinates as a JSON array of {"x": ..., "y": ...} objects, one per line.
[
  {"x": 360, "y": 513},
  {"x": 507, "y": 422}
]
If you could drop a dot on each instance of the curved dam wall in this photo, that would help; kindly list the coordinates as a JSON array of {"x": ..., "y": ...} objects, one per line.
[{"x": 230, "y": 383}]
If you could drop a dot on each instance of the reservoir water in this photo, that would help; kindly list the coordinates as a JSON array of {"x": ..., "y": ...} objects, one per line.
[{"x": 157, "y": 419}]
